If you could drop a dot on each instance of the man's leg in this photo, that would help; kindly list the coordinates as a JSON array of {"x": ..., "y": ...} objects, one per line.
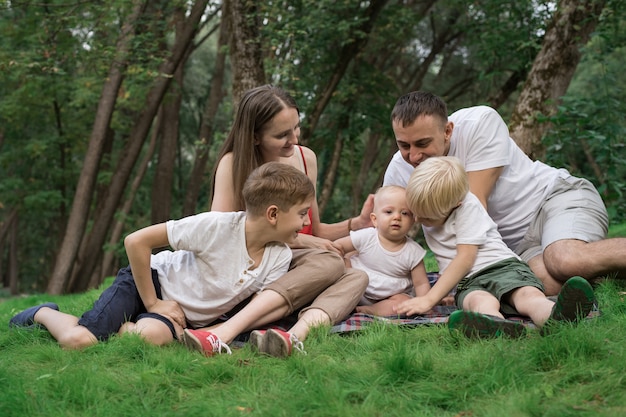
[{"x": 567, "y": 258}]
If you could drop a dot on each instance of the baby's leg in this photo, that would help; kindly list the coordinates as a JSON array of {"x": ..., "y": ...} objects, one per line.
[
  {"x": 384, "y": 307},
  {"x": 152, "y": 330},
  {"x": 482, "y": 302},
  {"x": 532, "y": 302}
]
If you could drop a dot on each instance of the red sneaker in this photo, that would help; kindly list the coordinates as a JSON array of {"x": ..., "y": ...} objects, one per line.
[
  {"x": 280, "y": 344},
  {"x": 204, "y": 342},
  {"x": 257, "y": 338}
]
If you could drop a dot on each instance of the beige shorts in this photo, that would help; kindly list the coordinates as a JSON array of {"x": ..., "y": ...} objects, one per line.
[{"x": 574, "y": 210}]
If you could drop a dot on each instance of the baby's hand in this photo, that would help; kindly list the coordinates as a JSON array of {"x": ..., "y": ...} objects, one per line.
[{"x": 416, "y": 305}]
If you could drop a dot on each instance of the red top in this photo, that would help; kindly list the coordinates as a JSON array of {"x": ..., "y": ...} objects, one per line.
[{"x": 307, "y": 230}]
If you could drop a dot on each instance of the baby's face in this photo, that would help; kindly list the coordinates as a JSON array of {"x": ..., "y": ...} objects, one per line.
[{"x": 392, "y": 216}]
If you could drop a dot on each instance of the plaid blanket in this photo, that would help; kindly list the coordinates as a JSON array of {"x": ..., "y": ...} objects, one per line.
[
  {"x": 439, "y": 315},
  {"x": 358, "y": 321}
]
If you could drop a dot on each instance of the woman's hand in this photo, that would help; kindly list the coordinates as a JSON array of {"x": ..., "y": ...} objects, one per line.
[
  {"x": 364, "y": 220},
  {"x": 313, "y": 242}
]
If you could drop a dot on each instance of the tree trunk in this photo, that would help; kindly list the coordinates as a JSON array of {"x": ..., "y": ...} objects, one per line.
[
  {"x": 163, "y": 181},
  {"x": 79, "y": 212},
  {"x": 95, "y": 240},
  {"x": 552, "y": 71},
  {"x": 216, "y": 95},
  {"x": 108, "y": 267},
  {"x": 246, "y": 54},
  {"x": 331, "y": 172}
]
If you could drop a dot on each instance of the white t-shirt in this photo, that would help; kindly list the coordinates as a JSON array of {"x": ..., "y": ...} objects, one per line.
[
  {"x": 480, "y": 139},
  {"x": 469, "y": 224},
  {"x": 207, "y": 273},
  {"x": 389, "y": 272}
]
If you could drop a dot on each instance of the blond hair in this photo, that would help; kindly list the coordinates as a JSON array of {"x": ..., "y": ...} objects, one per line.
[
  {"x": 276, "y": 183},
  {"x": 385, "y": 190},
  {"x": 436, "y": 186}
]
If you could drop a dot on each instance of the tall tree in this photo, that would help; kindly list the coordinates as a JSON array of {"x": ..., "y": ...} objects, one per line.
[
  {"x": 163, "y": 182},
  {"x": 243, "y": 21},
  {"x": 207, "y": 126},
  {"x": 552, "y": 70},
  {"x": 79, "y": 213},
  {"x": 92, "y": 243}
]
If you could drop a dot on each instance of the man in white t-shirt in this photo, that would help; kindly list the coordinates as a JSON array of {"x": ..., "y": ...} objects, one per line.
[{"x": 552, "y": 220}]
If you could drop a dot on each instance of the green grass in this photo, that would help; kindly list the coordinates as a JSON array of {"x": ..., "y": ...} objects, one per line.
[{"x": 381, "y": 371}]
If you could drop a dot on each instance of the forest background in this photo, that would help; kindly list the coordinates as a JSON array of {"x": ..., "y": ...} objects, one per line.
[{"x": 111, "y": 113}]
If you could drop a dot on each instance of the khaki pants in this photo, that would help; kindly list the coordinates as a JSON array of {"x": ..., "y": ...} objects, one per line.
[{"x": 319, "y": 277}]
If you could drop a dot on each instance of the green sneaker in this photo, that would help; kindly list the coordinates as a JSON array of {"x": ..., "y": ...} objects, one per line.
[
  {"x": 574, "y": 302},
  {"x": 482, "y": 326}
]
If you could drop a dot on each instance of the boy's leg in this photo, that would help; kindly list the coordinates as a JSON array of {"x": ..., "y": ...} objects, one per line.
[
  {"x": 531, "y": 302},
  {"x": 482, "y": 302},
  {"x": 574, "y": 302},
  {"x": 155, "y": 330},
  {"x": 65, "y": 329},
  {"x": 478, "y": 325},
  {"x": 481, "y": 317}
]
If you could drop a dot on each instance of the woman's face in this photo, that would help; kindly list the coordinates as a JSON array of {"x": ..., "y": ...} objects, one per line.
[{"x": 280, "y": 135}]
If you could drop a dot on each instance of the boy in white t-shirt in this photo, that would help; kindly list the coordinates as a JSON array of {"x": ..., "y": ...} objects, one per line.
[
  {"x": 490, "y": 278},
  {"x": 394, "y": 263},
  {"x": 219, "y": 259}
]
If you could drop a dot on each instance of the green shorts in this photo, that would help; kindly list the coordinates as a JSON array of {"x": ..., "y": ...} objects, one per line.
[{"x": 499, "y": 280}]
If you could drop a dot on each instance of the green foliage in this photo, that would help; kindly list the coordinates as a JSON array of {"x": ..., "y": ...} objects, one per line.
[
  {"x": 587, "y": 133},
  {"x": 55, "y": 57}
]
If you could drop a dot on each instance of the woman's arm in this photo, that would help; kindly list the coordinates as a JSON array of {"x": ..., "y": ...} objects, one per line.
[
  {"x": 224, "y": 198},
  {"x": 334, "y": 231}
]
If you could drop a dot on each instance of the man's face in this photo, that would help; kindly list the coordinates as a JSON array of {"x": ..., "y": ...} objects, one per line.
[{"x": 427, "y": 136}]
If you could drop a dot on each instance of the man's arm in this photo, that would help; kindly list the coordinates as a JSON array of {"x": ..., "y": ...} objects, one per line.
[{"x": 481, "y": 183}]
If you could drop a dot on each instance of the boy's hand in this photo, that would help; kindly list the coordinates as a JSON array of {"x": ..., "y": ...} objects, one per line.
[
  {"x": 416, "y": 305},
  {"x": 169, "y": 309}
]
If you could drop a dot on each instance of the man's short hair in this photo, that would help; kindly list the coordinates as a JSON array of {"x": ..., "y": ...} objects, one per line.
[
  {"x": 418, "y": 103},
  {"x": 436, "y": 186},
  {"x": 276, "y": 183}
]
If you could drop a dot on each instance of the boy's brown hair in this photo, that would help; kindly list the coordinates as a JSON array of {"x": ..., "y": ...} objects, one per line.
[{"x": 276, "y": 183}]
